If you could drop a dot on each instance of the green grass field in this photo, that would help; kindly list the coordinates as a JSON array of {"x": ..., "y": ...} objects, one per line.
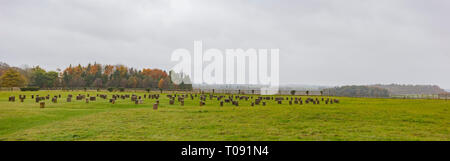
[{"x": 351, "y": 119}]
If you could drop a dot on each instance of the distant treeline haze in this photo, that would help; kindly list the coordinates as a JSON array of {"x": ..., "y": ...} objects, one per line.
[
  {"x": 358, "y": 91},
  {"x": 397, "y": 89},
  {"x": 384, "y": 90}
]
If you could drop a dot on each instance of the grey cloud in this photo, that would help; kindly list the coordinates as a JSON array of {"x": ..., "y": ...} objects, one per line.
[{"x": 322, "y": 42}]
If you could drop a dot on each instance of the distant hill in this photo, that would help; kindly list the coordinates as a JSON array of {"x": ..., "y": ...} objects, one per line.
[{"x": 397, "y": 89}]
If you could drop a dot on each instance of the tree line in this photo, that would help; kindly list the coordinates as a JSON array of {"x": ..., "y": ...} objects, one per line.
[
  {"x": 399, "y": 89},
  {"x": 358, "y": 91},
  {"x": 92, "y": 75}
]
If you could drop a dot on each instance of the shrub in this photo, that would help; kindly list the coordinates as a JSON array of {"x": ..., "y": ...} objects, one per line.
[
  {"x": 110, "y": 89},
  {"x": 121, "y": 89},
  {"x": 293, "y": 92},
  {"x": 29, "y": 89}
]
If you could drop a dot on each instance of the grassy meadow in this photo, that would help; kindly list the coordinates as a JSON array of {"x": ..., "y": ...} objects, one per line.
[{"x": 351, "y": 119}]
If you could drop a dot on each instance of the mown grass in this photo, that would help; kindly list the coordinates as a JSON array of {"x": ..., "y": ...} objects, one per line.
[{"x": 352, "y": 119}]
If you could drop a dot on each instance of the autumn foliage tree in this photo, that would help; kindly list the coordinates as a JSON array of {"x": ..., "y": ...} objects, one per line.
[
  {"x": 12, "y": 78},
  {"x": 162, "y": 84},
  {"x": 117, "y": 76}
]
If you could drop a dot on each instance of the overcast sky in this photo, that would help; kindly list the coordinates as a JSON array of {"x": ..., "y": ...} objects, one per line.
[{"x": 321, "y": 42}]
